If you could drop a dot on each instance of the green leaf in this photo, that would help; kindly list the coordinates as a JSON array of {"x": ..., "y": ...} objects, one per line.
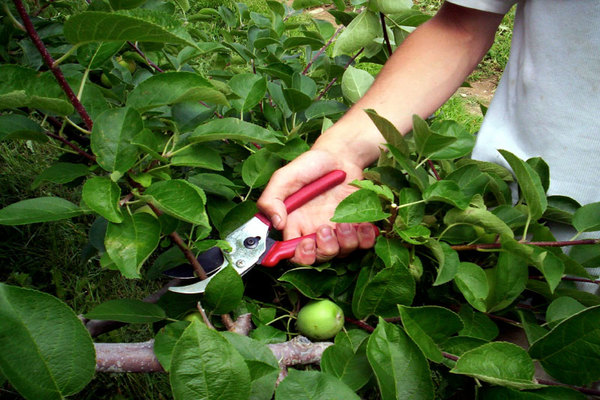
[
  {"x": 233, "y": 128},
  {"x": 477, "y": 325},
  {"x": 125, "y": 4},
  {"x": 251, "y": 89},
  {"x": 530, "y": 325},
  {"x": 179, "y": 199},
  {"x": 561, "y": 209},
  {"x": 24, "y": 87},
  {"x": 130, "y": 311},
  {"x": 587, "y": 218},
  {"x": 296, "y": 100},
  {"x": 542, "y": 169},
  {"x": 417, "y": 176},
  {"x": 446, "y": 192},
  {"x": 545, "y": 393},
  {"x": 411, "y": 215},
  {"x": 379, "y": 293},
  {"x": 478, "y": 217},
  {"x": 111, "y": 139},
  {"x": 45, "y": 351},
  {"x": 571, "y": 344},
  {"x": 224, "y": 291},
  {"x": 102, "y": 195},
  {"x": 267, "y": 334},
  {"x": 135, "y": 25},
  {"x": 360, "y": 206},
  {"x": 389, "y": 132},
  {"x": 198, "y": 155},
  {"x": 470, "y": 180},
  {"x": 382, "y": 191},
  {"x": 529, "y": 183},
  {"x": 324, "y": 108},
  {"x": 261, "y": 363},
  {"x": 15, "y": 126},
  {"x": 471, "y": 280},
  {"x": 447, "y": 259},
  {"x": 205, "y": 365},
  {"x": 561, "y": 308},
  {"x": 400, "y": 368},
  {"x": 465, "y": 140},
  {"x": 309, "y": 281},
  {"x": 313, "y": 385},
  {"x": 428, "y": 141},
  {"x": 165, "y": 341},
  {"x": 40, "y": 209},
  {"x": 393, "y": 6},
  {"x": 258, "y": 168},
  {"x": 172, "y": 88},
  {"x": 131, "y": 242},
  {"x": 61, "y": 172},
  {"x": 215, "y": 184},
  {"x": 347, "y": 359},
  {"x": 355, "y": 83},
  {"x": 392, "y": 251},
  {"x": 358, "y": 34},
  {"x": 429, "y": 325},
  {"x": 507, "y": 280},
  {"x": 499, "y": 363}
]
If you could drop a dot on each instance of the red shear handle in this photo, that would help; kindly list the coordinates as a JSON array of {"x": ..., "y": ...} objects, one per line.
[
  {"x": 309, "y": 192},
  {"x": 284, "y": 250}
]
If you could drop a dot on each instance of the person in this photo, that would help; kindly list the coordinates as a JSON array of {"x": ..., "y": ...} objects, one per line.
[{"x": 546, "y": 105}]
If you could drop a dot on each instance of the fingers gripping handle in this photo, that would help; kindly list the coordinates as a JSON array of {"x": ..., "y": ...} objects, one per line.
[
  {"x": 284, "y": 250},
  {"x": 309, "y": 192}
]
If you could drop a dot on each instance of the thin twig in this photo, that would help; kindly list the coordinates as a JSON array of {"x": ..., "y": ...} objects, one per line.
[
  {"x": 361, "y": 324},
  {"x": 330, "y": 84},
  {"x": 322, "y": 49},
  {"x": 204, "y": 316},
  {"x": 584, "y": 390},
  {"x": 432, "y": 166},
  {"x": 385, "y": 34},
  {"x": 186, "y": 251},
  {"x": 71, "y": 145},
  {"x": 481, "y": 246},
  {"x": 141, "y": 53},
  {"x": 49, "y": 61}
]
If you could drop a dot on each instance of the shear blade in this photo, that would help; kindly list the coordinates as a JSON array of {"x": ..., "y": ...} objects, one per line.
[{"x": 211, "y": 261}]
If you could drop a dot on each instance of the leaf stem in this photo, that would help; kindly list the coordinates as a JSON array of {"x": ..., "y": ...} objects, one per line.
[
  {"x": 71, "y": 145},
  {"x": 35, "y": 38},
  {"x": 74, "y": 125},
  {"x": 12, "y": 18},
  {"x": 62, "y": 58}
]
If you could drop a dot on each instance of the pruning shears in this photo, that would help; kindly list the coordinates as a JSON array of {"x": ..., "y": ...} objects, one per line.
[{"x": 250, "y": 243}]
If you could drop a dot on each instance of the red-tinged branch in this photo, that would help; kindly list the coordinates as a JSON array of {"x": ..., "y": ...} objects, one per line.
[
  {"x": 186, "y": 252},
  {"x": 449, "y": 356},
  {"x": 584, "y": 390},
  {"x": 35, "y": 38},
  {"x": 330, "y": 84},
  {"x": 569, "y": 278},
  {"x": 141, "y": 53},
  {"x": 71, "y": 145},
  {"x": 483, "y": 246},
  {"x": 139, "y": 357},
  {"x": 361, "y": 324},
  {"x": 386, "y": 38},
  {"x": 322, "y": 49},
  {"x": 432, "y": 166}
]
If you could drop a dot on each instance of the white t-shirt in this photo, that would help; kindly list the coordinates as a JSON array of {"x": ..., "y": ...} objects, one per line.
[{"x": 548, "y": 101}]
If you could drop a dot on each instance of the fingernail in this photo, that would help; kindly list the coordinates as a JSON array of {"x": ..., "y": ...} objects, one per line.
[
  {"x": 365, "y": 229},
  {"x": 308, "y": 247},
  {"x": 326, "y": 232},
  {"x": 344, "y": 229},
  {"x": 276, "y": 220}
]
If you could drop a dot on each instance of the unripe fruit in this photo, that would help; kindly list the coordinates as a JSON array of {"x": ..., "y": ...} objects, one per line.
[
  {"x": 320, "y": 319},
  {"x": 194, "y": 316},
  {"x": 105, "y": 80}
]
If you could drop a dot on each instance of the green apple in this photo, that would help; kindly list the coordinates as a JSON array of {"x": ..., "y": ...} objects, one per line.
[
  {"x": 194, "y": 316},
  {"x": 320, "y": 319}
]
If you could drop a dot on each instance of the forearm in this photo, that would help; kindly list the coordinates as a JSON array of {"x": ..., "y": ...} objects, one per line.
[{"x": 419, "y": 77}]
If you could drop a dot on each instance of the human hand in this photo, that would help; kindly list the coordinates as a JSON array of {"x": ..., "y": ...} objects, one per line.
[{"x": 315, "y": 215}]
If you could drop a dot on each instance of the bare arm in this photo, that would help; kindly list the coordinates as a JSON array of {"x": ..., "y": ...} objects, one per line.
[{"x": 420, "y": 76}]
